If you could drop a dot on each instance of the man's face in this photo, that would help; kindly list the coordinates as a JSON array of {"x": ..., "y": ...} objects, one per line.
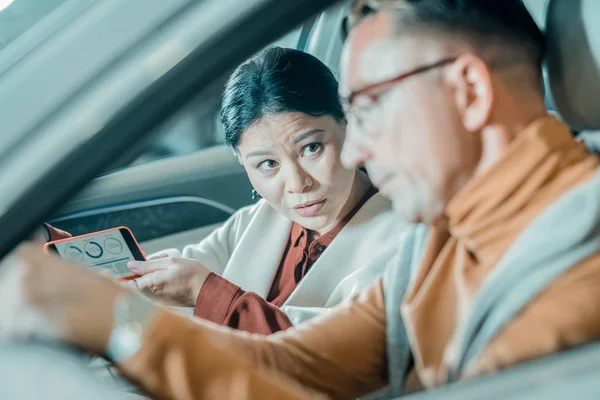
[{"x": 410, "y": 136}]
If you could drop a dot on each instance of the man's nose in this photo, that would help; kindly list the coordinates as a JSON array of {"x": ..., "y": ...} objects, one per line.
[{"x": 355, "y": 153}]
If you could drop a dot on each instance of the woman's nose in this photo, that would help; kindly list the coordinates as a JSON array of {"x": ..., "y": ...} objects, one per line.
[{"x": 298, "y": 180}]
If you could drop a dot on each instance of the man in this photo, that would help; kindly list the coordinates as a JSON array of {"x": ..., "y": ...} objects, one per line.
[{"x": 447, "y": 113}]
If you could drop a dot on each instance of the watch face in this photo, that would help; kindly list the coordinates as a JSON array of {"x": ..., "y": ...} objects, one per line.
[
  {"x": 131, "y": 336},
  {"x": 134, "y": 328},
  {"x": 132, "y": 313},
  {"x": 124, "y": 342}
]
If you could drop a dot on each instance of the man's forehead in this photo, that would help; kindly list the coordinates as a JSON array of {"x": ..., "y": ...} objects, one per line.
[
  {"x": 363, "y": 44},
  {"x": 374, "y": 53}
]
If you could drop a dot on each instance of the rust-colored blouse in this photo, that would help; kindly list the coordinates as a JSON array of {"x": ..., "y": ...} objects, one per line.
[{"x": 227, "y": 304}]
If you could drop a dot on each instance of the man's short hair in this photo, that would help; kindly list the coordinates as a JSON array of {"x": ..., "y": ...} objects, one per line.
[{"x": 481, "y": 21}]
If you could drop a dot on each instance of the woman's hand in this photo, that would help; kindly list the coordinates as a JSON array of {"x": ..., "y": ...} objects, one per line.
[
  {"x": 41, "y": 236},
  {"x": 177, "y": 280},
  {"x": 46, "y": 297}
]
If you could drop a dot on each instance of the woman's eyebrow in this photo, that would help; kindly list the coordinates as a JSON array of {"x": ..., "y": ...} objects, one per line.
[
  {"x": 306, "y": 135},
  {"x": 263, "y": 153}
]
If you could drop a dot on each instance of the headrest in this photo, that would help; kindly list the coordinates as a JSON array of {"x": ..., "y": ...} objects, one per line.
[{"x": 573, "y": 60}]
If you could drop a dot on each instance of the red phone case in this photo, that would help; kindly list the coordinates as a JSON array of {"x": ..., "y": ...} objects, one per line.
[{"x": 123, "y": 278}]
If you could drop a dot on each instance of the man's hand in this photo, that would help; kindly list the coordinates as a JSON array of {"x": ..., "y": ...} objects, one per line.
[
  {"x": 46, "y": 297},
  {"x": 177, "y": 280}
]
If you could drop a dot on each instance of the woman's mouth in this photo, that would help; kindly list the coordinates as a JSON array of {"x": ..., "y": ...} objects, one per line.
[{"x": 309, "y": 209}]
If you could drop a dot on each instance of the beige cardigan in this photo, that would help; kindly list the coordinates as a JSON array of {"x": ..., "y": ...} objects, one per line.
[{"x": 247, "y": 251}]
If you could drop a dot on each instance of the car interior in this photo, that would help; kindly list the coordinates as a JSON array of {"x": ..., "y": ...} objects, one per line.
[
  {"x": 196, "y": 182},
  {"x": 171, "y": 178}
]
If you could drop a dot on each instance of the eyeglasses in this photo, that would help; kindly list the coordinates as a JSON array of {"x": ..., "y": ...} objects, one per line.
[{"x": 376, "y": 90}]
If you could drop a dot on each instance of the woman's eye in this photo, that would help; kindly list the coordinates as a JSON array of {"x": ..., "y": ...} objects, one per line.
[
  {"x": 268, "y": 165},
  {"x": 312, "y": 149}
]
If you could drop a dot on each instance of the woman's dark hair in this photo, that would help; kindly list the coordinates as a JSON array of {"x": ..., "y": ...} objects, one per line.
[{"x": 275, "y": 81}]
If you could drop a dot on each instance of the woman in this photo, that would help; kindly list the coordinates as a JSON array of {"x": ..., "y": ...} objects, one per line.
[{"x": 320, "y": 231}]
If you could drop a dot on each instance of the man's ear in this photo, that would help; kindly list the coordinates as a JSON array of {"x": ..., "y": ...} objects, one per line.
[{"x": 471, "y": 80}]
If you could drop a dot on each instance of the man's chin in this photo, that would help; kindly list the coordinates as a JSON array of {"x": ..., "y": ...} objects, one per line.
[
  {"x": 429, "y": 217},
  {"x": 404, "y": 213},
  {"x": 414, "y": 215}
]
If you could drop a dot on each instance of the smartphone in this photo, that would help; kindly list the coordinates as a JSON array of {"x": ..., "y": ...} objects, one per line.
[{"x": 108, "y": 250}]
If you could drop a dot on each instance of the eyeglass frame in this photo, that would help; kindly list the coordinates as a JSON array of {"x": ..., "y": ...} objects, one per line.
[{"x": 348, "y": 100}]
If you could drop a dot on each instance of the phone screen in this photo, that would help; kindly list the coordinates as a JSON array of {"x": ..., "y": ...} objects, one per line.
[{"x": 109, "y": 250}]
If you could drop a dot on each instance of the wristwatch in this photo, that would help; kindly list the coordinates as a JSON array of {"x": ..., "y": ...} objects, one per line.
[{"x": 132, "y": 312}]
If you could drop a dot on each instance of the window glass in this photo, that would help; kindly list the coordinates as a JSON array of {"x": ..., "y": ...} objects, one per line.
[
  {"x": 537, "y": 8},
  {"x": 197, "y": 125},
  {"x": 20, "y": 15}
]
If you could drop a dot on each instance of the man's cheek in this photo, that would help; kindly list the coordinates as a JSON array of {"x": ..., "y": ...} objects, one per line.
[{"x": 391, "y": 158}]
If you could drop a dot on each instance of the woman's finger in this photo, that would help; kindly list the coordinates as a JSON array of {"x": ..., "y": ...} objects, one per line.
[
  {"x": 145, "y": 267},
  {"x": 153, "y": 282},
  {"x": 131, "y": 284},
  {"x": 158, "y": 256}
]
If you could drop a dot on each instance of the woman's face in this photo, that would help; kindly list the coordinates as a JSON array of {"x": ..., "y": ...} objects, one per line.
[{"x": 293, "y": 162}]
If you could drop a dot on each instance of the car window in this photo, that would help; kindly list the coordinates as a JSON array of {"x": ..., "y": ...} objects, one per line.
[
  {"x": 18, "y": 16},
  {"x": 197, "y": 126},
  {"x": 537, "y": 8}
]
